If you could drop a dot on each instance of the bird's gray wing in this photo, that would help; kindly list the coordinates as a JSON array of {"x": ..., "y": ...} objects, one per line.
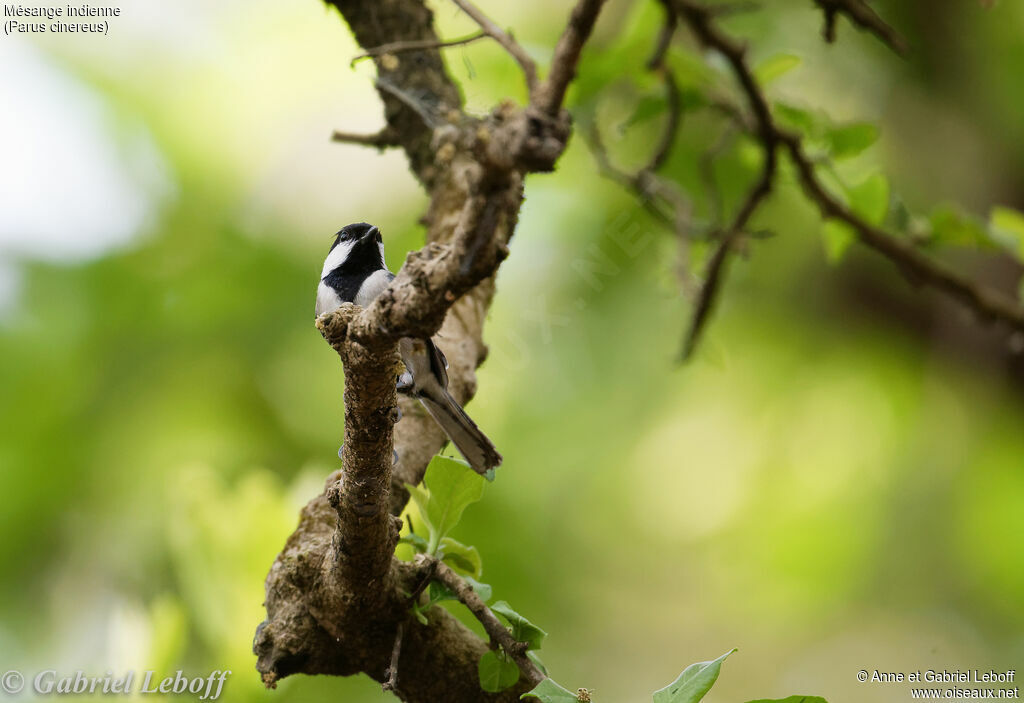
[{"x": 438, "y": 364}]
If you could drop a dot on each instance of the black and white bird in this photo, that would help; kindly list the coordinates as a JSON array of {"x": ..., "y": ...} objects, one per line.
[{"x": 354, "y": 272}]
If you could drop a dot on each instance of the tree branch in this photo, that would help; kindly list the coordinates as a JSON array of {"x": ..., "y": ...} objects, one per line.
[
  {"x": 336, "y": 597},
  {"x": 551, "y": 93},
  {"x": 862, "y": 16},
  {"x": 987, "y": 303},
  {"x": 391, "y": 684},
  {"x": 494, "y": 628},
  {"x": 382, "y": 139},
  {"x": 505, "y": 40}
]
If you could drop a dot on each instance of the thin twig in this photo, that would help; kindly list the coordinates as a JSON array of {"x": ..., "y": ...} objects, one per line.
[
  {"x": 707, "y": 294},
  {"x": 382, "y": 139},
  {"x": 417, "y": 45},
  {"x": 861, "y": 15},
  {"x": 674, "y": 106},
  {"x": 551, "y": 92},
  {"x": 391, "y": 684},
  {"x": 986, "y": 302},
  {"x": 505, "y": 39},
  {"x": 647, "y": 187},
  {"x": 498, "y": 633},
  {"x": 668, "y": 30},
  {"x": 428, "y": 575}
]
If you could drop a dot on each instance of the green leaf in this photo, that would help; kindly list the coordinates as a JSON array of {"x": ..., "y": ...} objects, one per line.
[
  {"x": 837, "y": 237},
  {"x": 949, "y": 225},
  {"x": 850, "y": 140},
  {"x": 422, "y": 499},
  {"x": 522, "y": 629},
  {"x": 547, "y": 691},
  {"x": 414, "y": 540},
  {"x": 497, "y": 672},
  {"x": 647, "y": 107},
  {"x": 482, "y": 589},
  {"x": 448, "y": 487},
  {"x": 796, "y": 118},
  {"x": 791, "y": 699},
  {"x": 775, "y": 67},
  {"x": 437, "y": 592},
  {"x": 461, "y": 557},
  {"x": 870, "y": 199},
  {"x": 692, "y": 685},
  {"x": 1007, "y": 226},
  {"x": 535, "y": 658}
]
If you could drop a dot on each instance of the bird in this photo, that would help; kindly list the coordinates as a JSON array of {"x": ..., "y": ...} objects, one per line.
[{"x": 354, "y": 272}]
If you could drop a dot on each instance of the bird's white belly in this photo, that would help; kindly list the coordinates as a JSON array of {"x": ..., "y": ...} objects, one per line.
[{"x": 326, "y": 299}]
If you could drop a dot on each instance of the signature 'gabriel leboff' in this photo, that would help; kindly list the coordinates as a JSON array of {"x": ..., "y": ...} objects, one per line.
[{"x": 354, "y": 272}]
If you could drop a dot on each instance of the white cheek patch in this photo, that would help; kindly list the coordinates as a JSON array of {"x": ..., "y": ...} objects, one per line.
[
  {"x": 336, "y": 258},
  {"x": 380, "y": 245}
]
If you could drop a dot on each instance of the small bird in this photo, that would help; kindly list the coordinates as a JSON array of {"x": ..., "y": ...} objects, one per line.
[{"x": 354, "y": 272}]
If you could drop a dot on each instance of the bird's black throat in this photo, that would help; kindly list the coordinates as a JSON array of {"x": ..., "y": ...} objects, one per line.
[{"x": 363, "y": 260}]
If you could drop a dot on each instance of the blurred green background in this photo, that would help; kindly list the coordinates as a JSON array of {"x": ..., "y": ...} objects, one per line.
[{"x": 835, "y": 483}]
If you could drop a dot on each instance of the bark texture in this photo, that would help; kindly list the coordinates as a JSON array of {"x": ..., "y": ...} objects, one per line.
[{"x": 335, "y": 597}]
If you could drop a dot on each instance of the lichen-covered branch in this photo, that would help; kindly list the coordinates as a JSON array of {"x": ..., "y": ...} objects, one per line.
[{"x": 336, "y": 597}]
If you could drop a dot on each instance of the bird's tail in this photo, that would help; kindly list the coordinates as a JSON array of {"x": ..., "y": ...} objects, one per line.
[{"x": 465, "y": 435}]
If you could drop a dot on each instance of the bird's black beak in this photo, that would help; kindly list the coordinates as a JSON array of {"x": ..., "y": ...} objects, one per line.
[{"x": 371, "y": 234}]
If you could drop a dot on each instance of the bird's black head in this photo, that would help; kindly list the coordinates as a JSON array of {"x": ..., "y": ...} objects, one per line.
[
  {"x": 357, "y": 251},
  {"x": 356, "y": 232}
]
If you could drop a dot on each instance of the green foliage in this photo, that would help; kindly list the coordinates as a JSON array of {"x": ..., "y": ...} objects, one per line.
[
  {"x": 692, "y": 685},
  {"x": 791, "y": 699},
  {"x": 463, "y": 558},
  {"x": 836, "y": 141},
  {"x": 950, "y": 225},
  {"x": 522, "y": 629},
  {"x": 837, "y": 237},
  {"x": 438, "y": 593},
  {"x": 449, "y": 486},
  {"x": 775, "y": 67},
  {"x": 1007, "y": 229},
  {"x": 849, "y": 140},
  {"x": 497, "y": 671},
  {"x": 548, "y": 691},
  {"x": 870, "y": 198},
  {"x": 648, "y": 107}
]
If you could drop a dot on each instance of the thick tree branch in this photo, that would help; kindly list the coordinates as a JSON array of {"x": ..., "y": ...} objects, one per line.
[
  {"x": 336, "y": 597},
  {"x": 425, "y": 78}
]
